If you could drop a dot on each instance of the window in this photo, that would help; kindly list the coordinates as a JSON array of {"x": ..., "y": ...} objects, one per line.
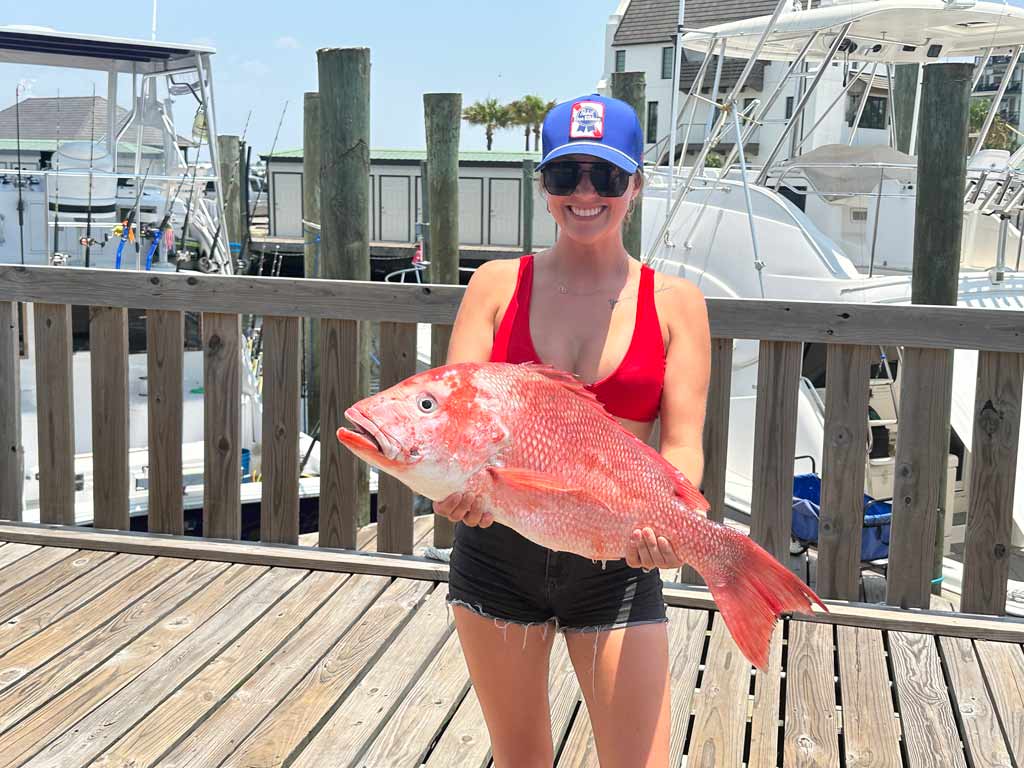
[
  {"x": 747, "y": 104},
  {"x": 789, "y": 107},
  {"x": 652, "y": 122},
  {"x": 620, "y": 61},
  {"x": 667, "y": 57},
  {"x": 874, "y": 112}
]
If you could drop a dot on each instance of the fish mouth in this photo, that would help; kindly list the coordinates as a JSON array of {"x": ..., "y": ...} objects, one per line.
[{"x": 367, "y": 436}]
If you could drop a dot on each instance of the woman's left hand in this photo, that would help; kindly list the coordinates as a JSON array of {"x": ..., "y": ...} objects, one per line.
[{"x": 647, "y": 551}]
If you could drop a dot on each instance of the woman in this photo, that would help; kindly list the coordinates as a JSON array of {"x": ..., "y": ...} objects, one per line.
[{"x": 641, "y": 342}]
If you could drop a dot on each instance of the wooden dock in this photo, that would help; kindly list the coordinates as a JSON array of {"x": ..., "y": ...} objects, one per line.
[{"x": 133, "y": 650}]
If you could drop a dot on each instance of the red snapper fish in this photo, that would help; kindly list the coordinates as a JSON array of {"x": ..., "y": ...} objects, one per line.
[{"x": 549, "y": 462}]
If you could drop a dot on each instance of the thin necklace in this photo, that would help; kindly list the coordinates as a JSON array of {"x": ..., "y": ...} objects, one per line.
[{"x": 564, "y": 289}]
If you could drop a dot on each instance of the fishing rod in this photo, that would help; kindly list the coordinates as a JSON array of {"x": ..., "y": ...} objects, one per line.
[
  {"x": 259, "y": 192},
  {"x": 164, "y": 223},
  {"x": 18, "y": 180},
  {"x": 192, "y": 188},
  {"x": 92, "y": 143},
  {"x": 246, "y": 126},
  {"x": 55, "y": 163},
  {"x": 126, "y": 225}
]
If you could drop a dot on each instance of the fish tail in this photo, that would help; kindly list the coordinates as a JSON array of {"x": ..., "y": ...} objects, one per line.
[{"x": 751, "y": 589}]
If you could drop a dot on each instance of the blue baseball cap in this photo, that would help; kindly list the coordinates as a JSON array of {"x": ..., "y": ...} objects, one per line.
[{"x": 594, "y": 125}]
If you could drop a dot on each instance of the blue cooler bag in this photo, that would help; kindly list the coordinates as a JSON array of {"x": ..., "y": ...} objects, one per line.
[{"x": 874, "y": 543}]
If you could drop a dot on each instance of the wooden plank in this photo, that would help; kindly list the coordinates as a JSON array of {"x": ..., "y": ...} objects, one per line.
[
  {"x": 222, "y": 454},
  {"x": 158, "y": 731},
  {"x": 687, "y": 631},
  {"x": 409, "y": 732},
  {"x": 996, "y": 433},
  {"x": 771, "y": 503},
  {"x": 55, "y": 413},
  {"x": 764, "y": 716},
  {"x": 64, "y": 652},
  {"x": 80, "y": 745},
  {"x": 811, "y": 733},
  {"x": 278, "y": 737},
  {"x": 1004, "y": 670},
  {"x": 279, "y": 512},
  {"x": 715, "y": 439},
  {"x": 31, "y": 591},
  {"x": 220, "y": 734},
  {"x": 973, "y": 707},
  {"x": 12, "y": 453},
  {"x": 35, "y": 732},
  {"x": 925, "y": 712},
  {"x": 921, "y": 452},
  {"x": 367, "y": 708},
  {"x": 720, "y": 706},
  {"x": 871, "y": 732},
  {"x": 440, "y": 339},
  {"x": 340, "y": 494},
  {"x": 165, "y": 361},
  {"x": 67, "y": 600},
  {"x": 31, "y": 565},
  {"x": 830, "y": 323},
  {"x": 108, "y": 353},
  {"x": 842, "y": 471},
  {"x": 580, "y": 748},
  {"x": 11, "y": 554},
  {"x": 394, "y": 498}
]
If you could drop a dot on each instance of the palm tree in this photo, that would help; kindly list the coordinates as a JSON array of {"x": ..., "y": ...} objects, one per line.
[
  {"x": 522, "y": 115},
  {"x": 540, "y": 110},
  {"x": 490, "y": 114}
]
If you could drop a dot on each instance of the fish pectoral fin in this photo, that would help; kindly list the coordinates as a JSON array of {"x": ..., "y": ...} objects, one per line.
[{"x": 519, "y": 479}]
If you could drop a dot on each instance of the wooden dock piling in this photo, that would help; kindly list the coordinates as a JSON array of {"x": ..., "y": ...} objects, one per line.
[
  {"x": 311, "y": 213},
  {"x": 345, "y": 255},
  {"x": 631, "y": 88},
  {"x": 528, "y": 171},
  {"x": 230, "y": 179}
]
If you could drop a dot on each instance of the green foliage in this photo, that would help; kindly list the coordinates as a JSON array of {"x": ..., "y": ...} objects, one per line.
[
  {"x": 1000, "y": 136},
  {"x": 490, "y": 114},
  {"x": 527, "y": 112},
  {"x": 713, "y": 161}
]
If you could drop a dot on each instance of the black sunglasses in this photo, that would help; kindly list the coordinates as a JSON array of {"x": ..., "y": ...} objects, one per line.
[{"x": 561, "y": 179}]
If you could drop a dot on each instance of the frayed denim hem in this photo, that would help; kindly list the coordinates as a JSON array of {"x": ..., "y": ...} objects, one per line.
[
  {"x": 503, "y": 623},
  {"x": 616, "y": 625}
]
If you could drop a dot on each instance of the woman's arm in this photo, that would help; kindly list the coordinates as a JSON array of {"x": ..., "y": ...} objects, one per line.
[{"x": 683, "y": 402}]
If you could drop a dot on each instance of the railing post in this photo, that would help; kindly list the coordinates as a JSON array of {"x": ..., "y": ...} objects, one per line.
[
  {"x": 279, "y": 512},
  {"x": 222, "y": 453},
  {"x": 108, "y": 355},
  {"x": 165, "y": 360},
  {"x": 12, "y": 471},
  {"x": 55, "y": 413},
  {"x": 394, "y": 499}
]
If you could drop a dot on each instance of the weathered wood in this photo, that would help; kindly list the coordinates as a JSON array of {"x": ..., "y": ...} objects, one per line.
[
  {"x": 811, "y": 731},
  {"x": 311, "y": 246},
  {"x": 921, "y": 452},
  {"x": 279, "y": 511},
  {"x": 871, "y": 732},
  {"x": 974, "y": 709},
  {"x": 108, "y": 363},
  {"x": 69, "y": 599},
  {"x": 771, "y": 503},
  {"x": 631, "y": 87},
  {"x": 11, "y": 553},
  {"x": 385, "y": 685},
  {"x": 686, "y": 634},
  {"x": 807, "y": 321},
  {"x": 344, "y": 494},
  {"x": 580, "y": 748},
  {"x": 904, "y": 102},
  {"x": 220, "y": 733},
  {"x": 444, "y": 529},
  {"x": 394, "y": 499},
  {"x": 764, "y": 717},
  {"x": 409, "y": 732},
  {"x": 12, "y": 453},
  {"x": 55, "y": 413},
  {"x": 25, "y": 595},
  {"x": 230, "y": 181},
  {"x": 163, "y": 726},
  {"x": 1004, "y": 670},
  {"x": 31, "y": 565},
  {"x": 165, "y": 362},
  {"x": 222, "y": 434},
  {"x": 277, "y": 738},
  {"x": 720, "y": 707},
  {"x": 997, "y": 403},
  {"x": 925, "y": 713},
  {"x": 527, "y": 205},
  {"x": 842, "y": 484},
  {"x": 241, "y": 602}
]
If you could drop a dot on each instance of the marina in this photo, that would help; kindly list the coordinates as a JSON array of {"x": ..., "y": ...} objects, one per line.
[{"x": 190, "y": 575}]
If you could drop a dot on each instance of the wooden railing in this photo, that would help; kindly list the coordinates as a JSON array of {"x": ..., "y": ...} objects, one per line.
[{"x": 928, "y": 335}]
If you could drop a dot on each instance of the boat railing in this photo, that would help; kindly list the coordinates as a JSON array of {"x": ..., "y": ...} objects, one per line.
[{"x": 852, "y": 333}]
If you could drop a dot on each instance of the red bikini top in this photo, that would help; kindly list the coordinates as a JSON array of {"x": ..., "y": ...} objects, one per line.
[{"x": 633, "y": 390}]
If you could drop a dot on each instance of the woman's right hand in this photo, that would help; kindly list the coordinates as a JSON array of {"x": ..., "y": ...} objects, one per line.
[{"x": 465, "y": 507}]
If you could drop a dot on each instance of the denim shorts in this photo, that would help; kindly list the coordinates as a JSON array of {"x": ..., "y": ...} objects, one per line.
[{"x": 499, "y": 574}]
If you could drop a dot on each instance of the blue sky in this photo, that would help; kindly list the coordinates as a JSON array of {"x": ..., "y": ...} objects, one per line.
[{"x": 266, "y": 54}]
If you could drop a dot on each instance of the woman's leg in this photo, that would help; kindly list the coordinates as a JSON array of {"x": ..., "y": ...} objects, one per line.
[
  {"x": 624, "y": 675},
  {"x": 508, "y": 664}
]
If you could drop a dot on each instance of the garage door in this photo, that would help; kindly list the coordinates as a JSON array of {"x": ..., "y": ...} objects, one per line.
[
  {"x": 287, "y": 189},
  {"x": 504, "y": 212},
  {"x": 394, "y": 209},
  {"x": 471, "y": 211}
]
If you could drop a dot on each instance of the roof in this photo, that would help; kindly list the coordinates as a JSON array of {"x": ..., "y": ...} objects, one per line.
[
  {"x": 416, "y": 155},
  {"x": 50, "y": 145},
  {"x": 49, "y": 47},
  {"x": 81, "y": 118}
]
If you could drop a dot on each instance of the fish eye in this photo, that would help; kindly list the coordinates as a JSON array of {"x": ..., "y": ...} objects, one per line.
[{"x": 426, "y": 403}]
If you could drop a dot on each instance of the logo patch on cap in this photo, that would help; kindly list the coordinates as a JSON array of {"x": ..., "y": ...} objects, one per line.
[{"x": 587, "y": 121}]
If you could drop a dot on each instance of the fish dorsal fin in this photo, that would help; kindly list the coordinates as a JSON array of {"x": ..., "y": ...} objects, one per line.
[{"x": 569, "y": 381}]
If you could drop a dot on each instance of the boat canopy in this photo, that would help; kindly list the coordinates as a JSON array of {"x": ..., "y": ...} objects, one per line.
[
  {"x": 899, "y": 31},
  {"x": 48, "y": 47},
  {"x": 839, "y": 172}
]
